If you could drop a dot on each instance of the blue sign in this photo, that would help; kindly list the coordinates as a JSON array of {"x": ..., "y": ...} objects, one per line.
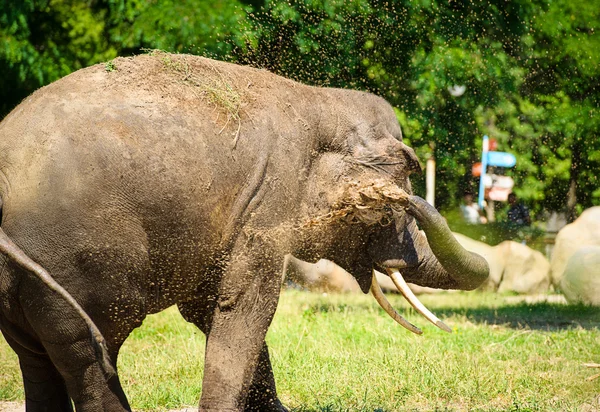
[{"x": 501, "y": 159}]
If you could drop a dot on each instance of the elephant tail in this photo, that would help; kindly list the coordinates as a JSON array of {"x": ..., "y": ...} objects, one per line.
[{"x": 9, "y": 249}]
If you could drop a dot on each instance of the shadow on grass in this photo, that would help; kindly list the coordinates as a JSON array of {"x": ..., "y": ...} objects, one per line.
[{"x": 538, "y": 316}]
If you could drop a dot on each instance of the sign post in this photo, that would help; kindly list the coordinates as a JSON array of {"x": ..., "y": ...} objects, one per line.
[
  {"x": 492, "y": 158},
  {"x": 484, "y": 159}
]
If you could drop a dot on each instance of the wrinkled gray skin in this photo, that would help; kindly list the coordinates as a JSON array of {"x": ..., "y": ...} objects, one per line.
[{"x": 138, "y": 189}]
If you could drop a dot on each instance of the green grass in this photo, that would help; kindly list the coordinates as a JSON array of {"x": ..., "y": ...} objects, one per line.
[
  {"x": 341, "y": 352},
  {"x": 110, "y": 66}
]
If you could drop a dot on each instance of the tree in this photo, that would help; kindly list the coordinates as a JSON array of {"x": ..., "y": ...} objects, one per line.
[
  {"x": 530, "y": 69},
  {"x": 212, "y": 28},
  {"x": 409, "y": 53},
  {"x": 44, "y": 40},
  {"x": 552, "y": 123}
]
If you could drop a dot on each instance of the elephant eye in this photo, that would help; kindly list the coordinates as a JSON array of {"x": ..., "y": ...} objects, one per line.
[{"x": 380, "y": 163}]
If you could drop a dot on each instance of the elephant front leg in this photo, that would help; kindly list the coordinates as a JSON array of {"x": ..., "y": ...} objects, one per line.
[
  {"x": 246, "y": 305},
  {"x": 262, "y": 395}
]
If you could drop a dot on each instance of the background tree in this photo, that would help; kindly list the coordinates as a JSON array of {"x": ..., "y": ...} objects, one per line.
[
  {"x": 410, "y": 53},
  {"x": 530, "y": 69},
  {"x": 558, "y": 105},
  {"x": 44, "y": 40}
]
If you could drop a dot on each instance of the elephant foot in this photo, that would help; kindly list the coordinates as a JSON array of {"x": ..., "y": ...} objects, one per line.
[{"x": 273, "y": 405}]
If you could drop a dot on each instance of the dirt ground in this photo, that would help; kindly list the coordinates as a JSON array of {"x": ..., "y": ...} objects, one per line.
[
  {"x": 11, "y": 407},
  {"x": 20, "y": 407}
]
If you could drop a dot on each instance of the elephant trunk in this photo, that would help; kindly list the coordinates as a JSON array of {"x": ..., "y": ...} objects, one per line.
[
  {"x": 441, "y": 262},
  {"x": 450, "y": 265}
]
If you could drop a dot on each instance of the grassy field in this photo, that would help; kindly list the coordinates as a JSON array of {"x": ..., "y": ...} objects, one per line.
[{"x": 341, "y": 352}]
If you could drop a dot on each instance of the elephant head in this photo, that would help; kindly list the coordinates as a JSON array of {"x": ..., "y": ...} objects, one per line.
[{"x": 366, "y": 214}]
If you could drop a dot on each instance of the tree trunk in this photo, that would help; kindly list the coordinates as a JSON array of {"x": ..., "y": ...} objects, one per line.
[
  {"x": 490, "y": 211},
  {"x": 574, "y": 175}
]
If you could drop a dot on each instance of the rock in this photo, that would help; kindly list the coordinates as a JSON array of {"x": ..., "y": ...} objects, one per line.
[
  {"x": 525, "y": 271},
  {"x": 554, "y": 299},
  {"x": 388, "y": 286},
  {"x": 386, "y": 283},
  {"x": 326, "y": 276},
  {"x": 581, "y": 277},
  {"x": 483, "y": 249},
  {"x": 323, "y": 276},
  {"x": 6, "y": 406},
  {"x": 585, "y": 231},
  {"x": 513, "y": 268},
  {"x": 495, "y": 260}
]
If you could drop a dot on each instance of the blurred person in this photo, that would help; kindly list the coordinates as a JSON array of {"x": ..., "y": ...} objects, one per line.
[
  {"x": 471, "y": 211},
  {"x": 518, "y": 214}
]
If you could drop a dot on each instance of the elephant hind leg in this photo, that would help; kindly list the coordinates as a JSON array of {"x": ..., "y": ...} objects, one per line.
[
  {"x": 45, "y": 388},
  {"x": 88, "y": 386}
]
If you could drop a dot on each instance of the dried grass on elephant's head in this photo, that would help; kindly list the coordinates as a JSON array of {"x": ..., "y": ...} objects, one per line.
[{"x": 370, "y": 203}]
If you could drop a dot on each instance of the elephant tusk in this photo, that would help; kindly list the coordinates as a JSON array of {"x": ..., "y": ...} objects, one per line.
[
  {"x": 415, "y": 303},
  {"x": 385, "y": 304}
]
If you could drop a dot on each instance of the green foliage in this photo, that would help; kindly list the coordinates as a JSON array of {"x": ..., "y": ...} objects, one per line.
[
  {"x": 411, "y": 53},
  {"x": 182, "y": 26},
  {"x": 531, "y": 70},
  {"x": 44, "y": 40},
  {"x": 552, "y": 124},
  {"x": 110, "y": 66}
]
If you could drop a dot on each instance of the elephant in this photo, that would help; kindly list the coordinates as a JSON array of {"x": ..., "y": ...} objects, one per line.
[{"x": 166, "y": 179}]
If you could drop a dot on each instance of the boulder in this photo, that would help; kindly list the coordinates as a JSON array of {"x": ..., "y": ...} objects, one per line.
[
  {"x": 483, "y": 249},
  {"x": 386, "y": 283},
  {"x": 323, "y": 276},
  {"x": 581, "y": 277},
  {"x": 388, "y": 286},
  {"x": 495, "y": 260},
  {"x": 585, "y": 231},
  {"x": 513, "y": 268},
  {"x": 526, "y": 271},
  {"x": 471, "y": 245},
  {"x": 326, "y": 276}
]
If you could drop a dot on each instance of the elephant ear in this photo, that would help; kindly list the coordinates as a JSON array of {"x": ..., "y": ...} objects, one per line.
[
  {"x": 360, "y": 267},
  {"x": 411, "y": 159},
  {"x": 365, "y": 283}
]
